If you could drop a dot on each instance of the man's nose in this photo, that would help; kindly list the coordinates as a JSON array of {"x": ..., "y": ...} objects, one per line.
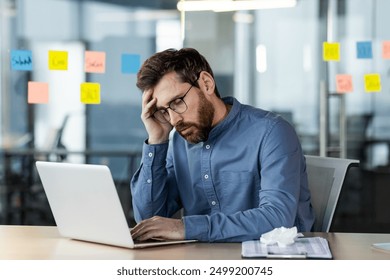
[{"x": 175, "y": 117}]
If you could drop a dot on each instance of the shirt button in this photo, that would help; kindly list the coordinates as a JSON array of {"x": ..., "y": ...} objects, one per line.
[
  {"x": 150, "y": 154},
  {"x": 149, "y": 181},
  {"x": 206, "y": 176},
  {"x": 213, "y": 203},
  {"x": 207, "y": 147}
]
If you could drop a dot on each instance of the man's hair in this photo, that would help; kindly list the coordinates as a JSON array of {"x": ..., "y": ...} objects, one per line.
[{"x": 186, "y": 62}]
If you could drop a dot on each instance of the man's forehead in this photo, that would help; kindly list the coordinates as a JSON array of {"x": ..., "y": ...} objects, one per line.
[
  {"x": 171, "y": 77},
  {"x": 168, "y": 86},
  {"x": 166, "y": 91}
]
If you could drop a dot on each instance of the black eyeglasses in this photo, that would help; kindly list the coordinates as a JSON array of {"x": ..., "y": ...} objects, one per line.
[{"x": 177, "y": 105}]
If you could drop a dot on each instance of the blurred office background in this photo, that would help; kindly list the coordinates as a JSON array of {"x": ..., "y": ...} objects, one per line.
[{"x": 270, "y": 58}]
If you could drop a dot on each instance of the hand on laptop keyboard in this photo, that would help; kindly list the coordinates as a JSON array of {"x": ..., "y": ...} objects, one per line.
[{"x": 159, "y": 228}]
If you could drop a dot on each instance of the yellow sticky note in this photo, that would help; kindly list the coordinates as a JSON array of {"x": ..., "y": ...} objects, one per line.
[
  {"x": 331, "y": 51},
  {"x": 58, "y": 60},
  {"x": 90, "y": 93},
  {"x": 344, "y": 83},
  {"x": 386, "y": 49},
  {"x": 95, "y": 62},
  {"x": 372, "y": 82},
  {"x": 37, "y": 93}
]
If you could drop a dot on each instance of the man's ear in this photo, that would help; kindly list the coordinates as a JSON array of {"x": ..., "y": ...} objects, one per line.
[{"x": 206, "y": 83}]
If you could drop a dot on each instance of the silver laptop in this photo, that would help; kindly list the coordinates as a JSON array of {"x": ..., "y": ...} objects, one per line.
[{"x": 85, "y": 204}]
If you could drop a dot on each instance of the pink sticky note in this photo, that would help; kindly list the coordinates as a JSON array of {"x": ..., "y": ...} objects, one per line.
[
  {"x": 38, "y": 92},
  {"x": 95, "y": 62},
  {"x": 344, "y": 83},
  {"x": 386, "y": 50}
]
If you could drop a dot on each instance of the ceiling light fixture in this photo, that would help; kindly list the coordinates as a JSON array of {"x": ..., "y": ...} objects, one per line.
[{"x": 230, "y": 5}]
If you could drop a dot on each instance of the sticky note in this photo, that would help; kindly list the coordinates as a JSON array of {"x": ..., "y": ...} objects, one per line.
[
  {"x": 331, "y": 51},
  {"x": 58, "y": 60},
  {"x": 90, "y": 93},
  {"x": 364, "y": 50},
  {"x": 344, "y": 83},
  {"x": 130, "y": 63},
  {"x": 386, "y": 49},
  {"x": 21, "y": 60},
  {"x": 37, "y": 92},
  {"x": 95, "y": 62},
  {"x": 372, "y": 82}
]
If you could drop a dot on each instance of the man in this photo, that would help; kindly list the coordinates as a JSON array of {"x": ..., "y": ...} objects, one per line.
[{"x": 236, "y": 171}]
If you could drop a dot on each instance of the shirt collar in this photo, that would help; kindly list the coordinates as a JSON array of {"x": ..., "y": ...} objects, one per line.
[{"x": 227, "y": 121}]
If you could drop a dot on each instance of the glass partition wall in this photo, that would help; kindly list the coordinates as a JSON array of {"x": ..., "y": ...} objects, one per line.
[{"x": 269, "y": 58}]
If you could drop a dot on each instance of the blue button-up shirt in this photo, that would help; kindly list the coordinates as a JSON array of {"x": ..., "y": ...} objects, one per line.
[{"x": 248, "y": 178}]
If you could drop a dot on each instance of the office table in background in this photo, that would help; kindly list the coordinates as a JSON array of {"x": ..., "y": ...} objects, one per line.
[
  {"x": 24, "y": 202},
  {"x": 44, "y": 242}
]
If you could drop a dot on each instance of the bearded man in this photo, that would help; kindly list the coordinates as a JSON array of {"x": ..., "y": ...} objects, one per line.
[{"x": 234, "y": 171}]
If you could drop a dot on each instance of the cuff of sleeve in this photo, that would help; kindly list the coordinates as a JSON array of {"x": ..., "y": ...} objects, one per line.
[
  {"x": 154, "y": 154},
  {"x": 196, "y": 227}
]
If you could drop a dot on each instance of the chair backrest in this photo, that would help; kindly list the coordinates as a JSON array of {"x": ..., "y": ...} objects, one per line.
[{"x": 326, "y": 177}]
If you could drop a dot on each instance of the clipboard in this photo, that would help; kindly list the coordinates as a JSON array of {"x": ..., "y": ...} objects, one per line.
[{"x": 303, "y": 248}]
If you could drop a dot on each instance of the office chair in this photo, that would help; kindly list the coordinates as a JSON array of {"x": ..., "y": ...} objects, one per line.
[{"x": 326, "y": 177}]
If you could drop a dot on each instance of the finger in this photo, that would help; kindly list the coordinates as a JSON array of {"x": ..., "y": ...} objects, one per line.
[
  {"x": 149, "y": 108},
  {"x": 138, "y": 231},
  {"x": 146, "y": 96},
  {"x": 134, "y": 231},
  {"x": 152, "y": 234},
  {"x": 147, "y": 233},
  {"x": 142, "y": 228}
]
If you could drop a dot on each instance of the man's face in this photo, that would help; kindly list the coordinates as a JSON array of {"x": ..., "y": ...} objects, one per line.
[
  {"x": 195, "y": 123},
  {"x": 198, "y": 130}
]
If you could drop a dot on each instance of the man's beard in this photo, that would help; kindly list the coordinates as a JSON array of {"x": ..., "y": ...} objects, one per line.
[{"x": 199, "y": 132}]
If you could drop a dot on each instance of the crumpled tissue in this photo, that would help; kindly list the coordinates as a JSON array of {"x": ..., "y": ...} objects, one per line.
[{"x": 282, "y": 236}]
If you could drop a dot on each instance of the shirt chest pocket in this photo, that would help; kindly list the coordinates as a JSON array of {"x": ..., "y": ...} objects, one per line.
[{"x": 237, "y": 190}]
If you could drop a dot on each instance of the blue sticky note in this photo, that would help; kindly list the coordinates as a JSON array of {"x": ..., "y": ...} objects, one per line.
[
  {"x": 131, "y": 63},
  {"x": 21, "y": 60},
  {"x": 364, "y": 49}
]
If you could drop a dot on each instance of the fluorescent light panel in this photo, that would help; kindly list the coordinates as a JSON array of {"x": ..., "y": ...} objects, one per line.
[
  {"x": 229, "y": 5},
  {"x": 261, "y": 58}
]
